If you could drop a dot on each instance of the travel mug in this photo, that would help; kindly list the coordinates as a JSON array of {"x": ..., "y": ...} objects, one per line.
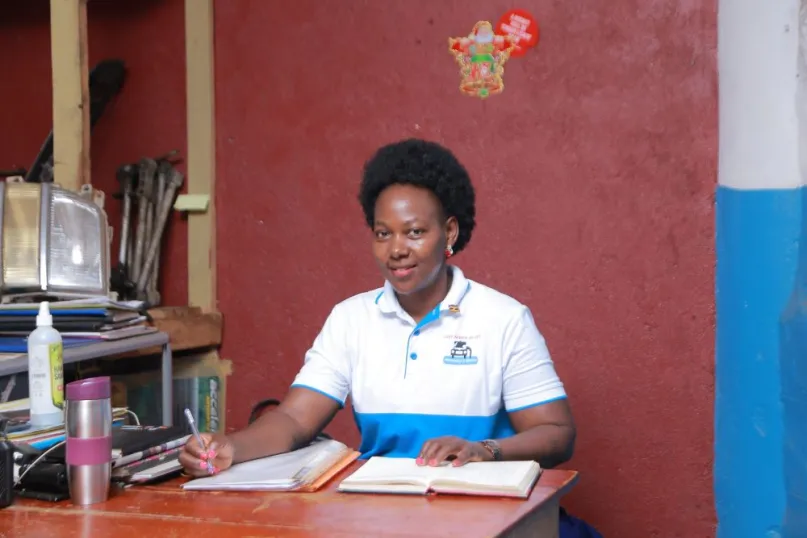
[{"x": 88, "y": 451}]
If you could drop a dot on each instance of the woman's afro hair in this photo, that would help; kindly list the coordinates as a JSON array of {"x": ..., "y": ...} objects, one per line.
[{"x": 427, "y": 165}]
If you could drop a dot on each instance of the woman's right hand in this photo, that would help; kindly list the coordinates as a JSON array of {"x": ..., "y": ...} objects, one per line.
[{"x": 194, "y": 458}]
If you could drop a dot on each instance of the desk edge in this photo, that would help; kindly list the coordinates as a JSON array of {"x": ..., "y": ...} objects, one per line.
[{"x": 571, "y": 480}]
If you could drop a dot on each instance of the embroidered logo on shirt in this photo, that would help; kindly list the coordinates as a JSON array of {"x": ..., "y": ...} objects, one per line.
[{"x": 460, "y": 354}]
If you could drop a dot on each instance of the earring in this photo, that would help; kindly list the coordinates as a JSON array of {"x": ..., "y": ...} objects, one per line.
[{"x": 449, "y": 251}]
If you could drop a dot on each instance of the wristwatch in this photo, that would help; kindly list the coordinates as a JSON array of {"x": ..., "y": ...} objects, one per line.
[{"x": 493, "y": 447}]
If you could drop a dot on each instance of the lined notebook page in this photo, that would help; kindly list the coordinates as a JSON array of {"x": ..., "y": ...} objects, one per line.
[
  {"x": 499, "y": 473},
  {"x": 489, "y": 473},
  {"x": 379, "y": 469}
]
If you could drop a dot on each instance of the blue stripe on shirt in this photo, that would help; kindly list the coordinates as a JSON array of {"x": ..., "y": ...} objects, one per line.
[{"x": 401, "y": 435}]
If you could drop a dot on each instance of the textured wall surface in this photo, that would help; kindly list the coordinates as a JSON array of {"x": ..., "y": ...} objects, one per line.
[{"x": 595, "y": 173}]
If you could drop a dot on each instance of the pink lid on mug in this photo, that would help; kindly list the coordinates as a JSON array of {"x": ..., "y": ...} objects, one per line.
[{"x": 94, "y": 388}]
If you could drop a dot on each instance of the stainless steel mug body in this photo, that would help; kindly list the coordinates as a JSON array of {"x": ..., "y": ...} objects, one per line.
[{"x": 88, "y": 424}]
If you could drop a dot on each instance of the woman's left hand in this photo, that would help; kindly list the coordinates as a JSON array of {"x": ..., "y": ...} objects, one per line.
[{"x": 436, "y": 451}]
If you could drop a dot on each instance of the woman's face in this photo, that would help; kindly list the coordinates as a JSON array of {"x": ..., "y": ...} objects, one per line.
[{"x": 410, "y": 237}]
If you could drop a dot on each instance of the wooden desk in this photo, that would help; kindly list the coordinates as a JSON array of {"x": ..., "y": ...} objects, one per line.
[{"x": 165, "y": 511}]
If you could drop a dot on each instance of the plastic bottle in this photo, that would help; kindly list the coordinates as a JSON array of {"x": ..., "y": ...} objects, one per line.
[{"x": 45, "y": 372}]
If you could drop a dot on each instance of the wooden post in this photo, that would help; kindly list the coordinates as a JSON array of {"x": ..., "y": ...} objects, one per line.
[
  {"x": 71, "y": 93},
  {"x": 201, "y": 156}
]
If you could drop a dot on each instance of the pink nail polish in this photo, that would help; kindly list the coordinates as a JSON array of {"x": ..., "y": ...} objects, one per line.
[
  {"x": 433, "y": 462},
  {"x": 419, "y": 461},
  {"x": 203, "y": 465}
]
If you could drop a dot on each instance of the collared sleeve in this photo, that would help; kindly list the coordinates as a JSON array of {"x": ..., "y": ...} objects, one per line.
[
  {"x": 326, "y": 368},
  {"x": 529, "y": 376}
]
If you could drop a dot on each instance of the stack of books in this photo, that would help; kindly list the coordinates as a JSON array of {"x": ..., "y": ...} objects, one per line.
[
  {"x": 139, "y": 453},
  {"x": 16, "y": 415},
  {"x": 79, "y": 321}
]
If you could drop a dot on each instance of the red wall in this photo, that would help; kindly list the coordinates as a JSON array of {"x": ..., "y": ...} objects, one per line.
[
  {"x": 146, "y": 120},
  {"x": 594, "y": 171}
]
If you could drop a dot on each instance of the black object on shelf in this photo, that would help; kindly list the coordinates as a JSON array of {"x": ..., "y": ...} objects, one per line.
[
  {"x": 6, "y": 469},
  {"x": 106, "y": 81}
]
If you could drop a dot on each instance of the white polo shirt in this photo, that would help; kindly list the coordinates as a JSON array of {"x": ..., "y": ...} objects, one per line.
[{"x": 474, "y": 358}]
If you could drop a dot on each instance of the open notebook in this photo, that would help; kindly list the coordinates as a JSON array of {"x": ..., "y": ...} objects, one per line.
[
  {"x": 403, "y": 475},
  {"x": 306, "y": 469}
]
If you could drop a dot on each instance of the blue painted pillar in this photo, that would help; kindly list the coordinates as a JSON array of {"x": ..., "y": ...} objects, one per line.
[{"x": 760, "y": 473}]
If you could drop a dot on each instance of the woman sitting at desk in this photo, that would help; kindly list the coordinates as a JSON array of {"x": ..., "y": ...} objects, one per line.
[{"x": 437, "y": 366}]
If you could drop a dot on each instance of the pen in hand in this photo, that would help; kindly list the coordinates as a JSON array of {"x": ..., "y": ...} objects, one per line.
[{"x": 199, "y": 440}]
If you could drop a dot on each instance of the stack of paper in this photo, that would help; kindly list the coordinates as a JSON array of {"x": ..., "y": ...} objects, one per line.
[
  {"x": 41, "y": 438},
  {"x": 306, "y": 469},
  {"x": 79, "y": 321}
]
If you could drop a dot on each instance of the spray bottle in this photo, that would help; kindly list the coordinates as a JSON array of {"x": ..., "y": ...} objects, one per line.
[{"x": 45, "y": 372}]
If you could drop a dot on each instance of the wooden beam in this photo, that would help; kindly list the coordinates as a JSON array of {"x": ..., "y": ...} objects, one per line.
[
  {"x": 201, "y": 157},
  {"x": 71, "y": 93}
]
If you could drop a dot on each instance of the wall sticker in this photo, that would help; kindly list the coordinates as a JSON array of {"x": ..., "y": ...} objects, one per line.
[{"x": 482, "y": 54}]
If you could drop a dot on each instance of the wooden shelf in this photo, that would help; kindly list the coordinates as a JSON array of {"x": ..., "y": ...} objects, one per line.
[
  {"x": 113, "y": 349},
  {"x": 188, "y": 327}
]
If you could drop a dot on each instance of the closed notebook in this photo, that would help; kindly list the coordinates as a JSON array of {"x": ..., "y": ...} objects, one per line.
[
  {"x": 158, "y": 466},
  {"x": 403, "y": 475},
  {"x": 306, "y": 469},
  {"x": 128, "y": 440}
]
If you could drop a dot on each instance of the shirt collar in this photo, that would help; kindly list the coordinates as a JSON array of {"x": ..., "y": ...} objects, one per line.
[{"x": 387, "y": 301}]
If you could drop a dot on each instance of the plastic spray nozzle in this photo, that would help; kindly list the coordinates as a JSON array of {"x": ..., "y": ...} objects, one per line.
[{"x": 44, "y": 318}]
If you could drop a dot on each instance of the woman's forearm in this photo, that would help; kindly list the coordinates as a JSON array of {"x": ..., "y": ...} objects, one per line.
[
  {"x": 550, "y": 445},
  {"x": 275, "y": 432}
]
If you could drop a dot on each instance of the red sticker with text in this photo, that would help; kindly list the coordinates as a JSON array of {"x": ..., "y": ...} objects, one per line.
[{"x": 522, "y": 27}]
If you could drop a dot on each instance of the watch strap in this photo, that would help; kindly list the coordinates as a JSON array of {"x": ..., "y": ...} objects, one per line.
[{"x": 493, "y": 447}]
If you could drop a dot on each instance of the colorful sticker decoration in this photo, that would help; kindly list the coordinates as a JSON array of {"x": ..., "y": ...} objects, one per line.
[
  {"x": 521, "y": 26},
  {"x": 481, "y": 57}
]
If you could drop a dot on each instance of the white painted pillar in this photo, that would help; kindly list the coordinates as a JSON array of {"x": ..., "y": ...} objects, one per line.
[
  {"x": 757, "y": 48},
  {"x": 761, "y": 354}
]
